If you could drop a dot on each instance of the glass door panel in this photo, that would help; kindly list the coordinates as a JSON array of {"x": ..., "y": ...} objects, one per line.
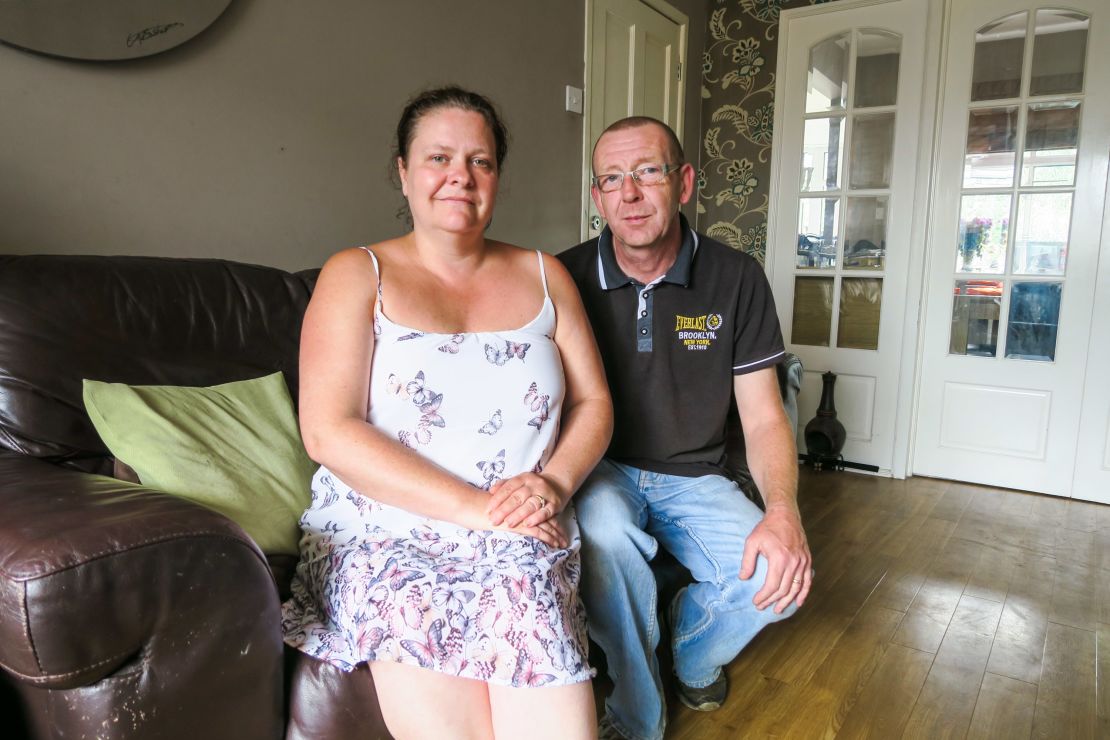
[
  {"x": 827, "y": 87},
  {"x": 1041, "y": 237},
  {"x": 821, "y": 154},
  {"x": 983, "y": 231},
  {"x": 999, "y": 48},
  {"x": 991, "y": 147},
  {"x": 860, "y": 302},
  {"x": 877, "y": 59},
  {"x": 872, "y": 151},
  {"x": 1059, "y": 52},
  {"x": 865, "y": 234},
  {"x": 818, "y": 226},
  {"x": 1051, "y": 141},
  {"x": 1033, "y": 321},
  {"x": 813, "y": 297},
  {"x": 976, "y": 309}
]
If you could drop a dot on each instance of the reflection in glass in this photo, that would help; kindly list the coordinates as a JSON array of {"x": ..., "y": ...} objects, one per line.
[
  {"x": 821, "y": 154},
  {"x": 860, "y": 302},
  {"x": 984, "y": 228},
  {"x": 999, "y": 50},
  {"x": 812, "y": 311},
  {"x": 818, "y": 226},
  {"x": 989, "y": 159},
  {"x": 865, "y": 234},
  {"x": 872, "y": 151},
  {"x": 877, "y": 55},
  {"x": 976, "y": 307},
  {"x": 1051, "y": 138},
  {"x": 828, "y": 75},
  {"x": 1034, "y": 316},
  {"x": 1041, "y": 237},
  {"x": 1059, "y": 51}
]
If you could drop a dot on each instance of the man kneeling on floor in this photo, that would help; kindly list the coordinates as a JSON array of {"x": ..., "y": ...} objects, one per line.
[{"x": 685, "y": 324}]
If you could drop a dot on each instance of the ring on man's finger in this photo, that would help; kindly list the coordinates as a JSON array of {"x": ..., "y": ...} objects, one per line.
[{"x": 797, "y": 580}]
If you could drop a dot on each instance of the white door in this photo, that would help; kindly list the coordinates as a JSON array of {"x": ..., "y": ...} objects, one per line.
[
  {"x": 636, "y": 54},
  {"x": 1014, "y": 246},
  {"x": 846, "y": 122}
]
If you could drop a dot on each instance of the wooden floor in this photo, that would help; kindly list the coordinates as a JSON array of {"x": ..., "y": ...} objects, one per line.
[{"x": 939, "y": 610}]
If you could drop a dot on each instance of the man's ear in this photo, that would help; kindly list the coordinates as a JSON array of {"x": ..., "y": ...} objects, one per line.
[
  {"x": 686, "y": 177},
  {"x": 596, "y": 195}
]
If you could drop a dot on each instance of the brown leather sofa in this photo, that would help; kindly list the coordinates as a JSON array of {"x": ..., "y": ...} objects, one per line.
[{"x": 127, "y": 613}]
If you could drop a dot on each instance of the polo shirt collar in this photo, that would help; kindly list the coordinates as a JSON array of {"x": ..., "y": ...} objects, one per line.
[{"x": 611, "y": 276}]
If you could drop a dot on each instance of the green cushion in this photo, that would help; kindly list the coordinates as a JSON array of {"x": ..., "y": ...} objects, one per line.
[{"x": 234, "y": 448}]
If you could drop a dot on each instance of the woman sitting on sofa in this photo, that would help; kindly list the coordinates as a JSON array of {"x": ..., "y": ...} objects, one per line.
[{"x": 453, "y": 394}]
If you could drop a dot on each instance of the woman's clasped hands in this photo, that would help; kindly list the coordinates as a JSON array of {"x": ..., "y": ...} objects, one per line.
[{"x": 528, "y": 503}]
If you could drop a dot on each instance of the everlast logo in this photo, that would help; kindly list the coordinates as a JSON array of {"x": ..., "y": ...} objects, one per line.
[
  {"x": 697, "y": 332},
  {"x": 697, "y": 323}
]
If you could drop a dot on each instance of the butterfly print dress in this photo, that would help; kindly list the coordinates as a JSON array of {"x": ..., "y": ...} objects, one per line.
[{"x": 376, "y": 582}]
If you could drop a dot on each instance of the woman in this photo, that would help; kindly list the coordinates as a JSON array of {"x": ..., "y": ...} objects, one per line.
[{"x": 440, "y": 545}]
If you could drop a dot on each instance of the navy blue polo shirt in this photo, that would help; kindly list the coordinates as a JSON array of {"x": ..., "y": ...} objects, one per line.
[{"x": 672, "y": 347}]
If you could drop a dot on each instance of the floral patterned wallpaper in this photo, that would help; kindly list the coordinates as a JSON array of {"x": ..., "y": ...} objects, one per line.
[{"x": 738, "y": 109}]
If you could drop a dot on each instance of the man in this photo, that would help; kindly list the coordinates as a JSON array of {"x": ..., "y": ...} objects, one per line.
[{"x": 685, "y": 324}]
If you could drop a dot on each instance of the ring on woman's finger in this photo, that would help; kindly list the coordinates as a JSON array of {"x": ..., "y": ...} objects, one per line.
[
  {"x": 542, "y": 501},
  {"x": 797, "y": 580}
]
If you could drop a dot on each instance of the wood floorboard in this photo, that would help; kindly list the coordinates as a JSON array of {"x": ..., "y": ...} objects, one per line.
[
  {"x": 1066, "y": 692},
  {"x": 1004, "y": 709},
  {"x": 947, "y": 699},
  {"x": 939, "y": 610}
]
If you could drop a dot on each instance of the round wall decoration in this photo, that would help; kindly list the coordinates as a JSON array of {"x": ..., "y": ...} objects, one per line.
[{"x": 102, "y": 30}]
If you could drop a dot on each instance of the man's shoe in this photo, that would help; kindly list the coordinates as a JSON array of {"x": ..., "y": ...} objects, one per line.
[{"x": 705, "y": 699}]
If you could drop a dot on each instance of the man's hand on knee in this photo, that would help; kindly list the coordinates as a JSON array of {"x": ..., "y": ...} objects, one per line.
[{"x": 782, "y": 541}]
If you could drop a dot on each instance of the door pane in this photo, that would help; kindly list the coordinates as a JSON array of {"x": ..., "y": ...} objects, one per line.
[
  {"x": 1041, "y": 238},
  {"x": 989, "y": 158},
  {"x": 860, "y": 302},
  {"x": 1034, "y": 316},
  {"x": 1051, "y": 138},
  {"x": 821, "y": 154},
  {"x": 984, "y": 228},
  {"x": 872, "y": 151},
  {"x": 818, "y": 226},
  {"x": 999, "y": 50},
  {"x": 877, "y": 55},
  {"x": 865, "y": 234},
  {"x": 812, "y": 311},
  {"x": 828, "y": 75},
  {"x": 976, "y": 308},
  {"x": 1059, "y": 51}
]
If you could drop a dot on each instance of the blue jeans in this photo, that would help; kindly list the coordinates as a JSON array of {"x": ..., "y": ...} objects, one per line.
[{"x": 624, "y": 514}]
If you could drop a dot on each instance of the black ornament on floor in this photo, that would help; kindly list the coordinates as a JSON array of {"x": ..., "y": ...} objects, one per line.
[{"x": 824, "y": 434}]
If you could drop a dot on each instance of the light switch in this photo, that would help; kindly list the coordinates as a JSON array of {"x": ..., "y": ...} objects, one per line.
[{"x": 574, "y": 99}]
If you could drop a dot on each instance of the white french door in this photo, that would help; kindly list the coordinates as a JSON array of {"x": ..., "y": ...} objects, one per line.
[
  {"x": 1010, "y": 367},
  {"x": 846, "y": 141}
]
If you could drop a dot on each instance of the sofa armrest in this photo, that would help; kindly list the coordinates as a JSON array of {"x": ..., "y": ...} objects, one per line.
[{"x": 164, "y": 607}]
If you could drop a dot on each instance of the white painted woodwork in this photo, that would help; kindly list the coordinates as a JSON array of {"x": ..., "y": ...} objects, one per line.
[{"x": 635, "y": 65}]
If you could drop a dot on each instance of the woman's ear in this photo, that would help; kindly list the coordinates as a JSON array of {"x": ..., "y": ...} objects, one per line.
[{"x": 403, "y": 174}]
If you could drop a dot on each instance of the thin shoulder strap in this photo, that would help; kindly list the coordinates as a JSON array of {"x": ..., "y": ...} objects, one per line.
[
  {"x": 543, "y": 274},
  {"x": 378, "y": 272}
]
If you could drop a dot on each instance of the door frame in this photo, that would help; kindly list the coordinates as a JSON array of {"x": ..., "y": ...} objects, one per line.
[
  {"x": 928, "y": 130},
  {"x": 672, "y": 14}
]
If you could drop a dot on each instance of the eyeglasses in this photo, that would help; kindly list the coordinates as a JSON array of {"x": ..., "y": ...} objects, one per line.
[{"x": 649, "y": 174}]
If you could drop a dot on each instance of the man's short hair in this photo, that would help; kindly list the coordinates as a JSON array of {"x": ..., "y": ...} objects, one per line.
[{"x": 674, "y": 144}]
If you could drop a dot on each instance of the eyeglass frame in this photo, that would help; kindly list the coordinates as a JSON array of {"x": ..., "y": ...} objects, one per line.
[{"x": 667, "y": 169}]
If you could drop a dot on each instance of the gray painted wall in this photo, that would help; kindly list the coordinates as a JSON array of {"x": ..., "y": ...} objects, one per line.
[{"x": 266, "y": 139}]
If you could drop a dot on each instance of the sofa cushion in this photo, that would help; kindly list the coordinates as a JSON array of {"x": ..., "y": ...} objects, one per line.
[
  {"x": 137, "y": 320},
  {"x": 233, "y": 448}
]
